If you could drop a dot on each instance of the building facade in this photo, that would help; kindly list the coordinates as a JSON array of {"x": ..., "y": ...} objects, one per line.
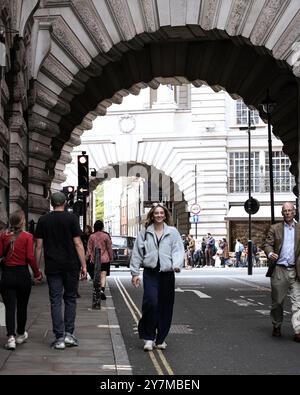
[{"x": 206, "y": 131}]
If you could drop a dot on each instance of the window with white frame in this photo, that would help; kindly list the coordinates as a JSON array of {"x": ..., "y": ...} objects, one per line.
[
  {"x": 242, "y": 114},
  {"x": 239, "y": 172},
  {"x": 283, "y": 180}
]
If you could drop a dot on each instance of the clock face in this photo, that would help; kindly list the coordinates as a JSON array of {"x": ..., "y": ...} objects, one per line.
[{"x": 127, "y": 123}]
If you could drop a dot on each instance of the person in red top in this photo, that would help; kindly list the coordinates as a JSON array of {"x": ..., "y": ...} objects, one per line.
[
  {"x": 101, "y": 240},
  {"x": 16, "y": 279}
]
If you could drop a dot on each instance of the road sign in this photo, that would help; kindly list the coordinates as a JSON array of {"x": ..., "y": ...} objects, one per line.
[
  {"x": 195, "y": 208},
  {"x": 195, "y": 218},
  {"x": 251, "y": 206}
]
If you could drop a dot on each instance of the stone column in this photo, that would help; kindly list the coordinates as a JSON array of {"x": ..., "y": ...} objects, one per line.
[
  {"x": 4, "y": 155},
  {"x": 41, "y": 132},
  {"x": 18, "y": 130}
]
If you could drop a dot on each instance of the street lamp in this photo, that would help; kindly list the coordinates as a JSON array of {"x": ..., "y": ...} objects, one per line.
[
  {"x": 268, "y": 106},
  {"x": 138, "y": 176}
]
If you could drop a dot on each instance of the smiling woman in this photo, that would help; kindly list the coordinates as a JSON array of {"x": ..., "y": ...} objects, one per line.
[{"x": 159, "y": 250}]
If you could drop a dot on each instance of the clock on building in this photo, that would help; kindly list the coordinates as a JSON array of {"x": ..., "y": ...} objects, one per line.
[{"x": 127, "y": 123}]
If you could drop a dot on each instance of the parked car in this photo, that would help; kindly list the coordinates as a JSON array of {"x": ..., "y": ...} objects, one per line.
[{"x": 122, "y": 249}]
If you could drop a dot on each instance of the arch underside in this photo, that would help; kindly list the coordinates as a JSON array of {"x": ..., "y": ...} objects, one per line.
[{"x": 233, "y": 65}]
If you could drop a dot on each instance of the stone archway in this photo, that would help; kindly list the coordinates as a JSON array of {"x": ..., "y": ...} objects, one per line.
[
  {"x": 83, "y": 55},
  {"x": 157, "y": 186}
]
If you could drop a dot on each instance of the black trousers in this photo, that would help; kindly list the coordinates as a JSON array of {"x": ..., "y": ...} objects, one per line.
[
  {"x": 15, "y": 290},
  {"x": 158, "y": 302}
]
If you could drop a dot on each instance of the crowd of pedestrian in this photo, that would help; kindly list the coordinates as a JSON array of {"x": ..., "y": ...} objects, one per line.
[
  {"x": 159, "y": 249},
  {"x": 211, "y": 253}
]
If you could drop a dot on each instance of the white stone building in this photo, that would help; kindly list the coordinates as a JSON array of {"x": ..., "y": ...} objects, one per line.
[{"x": 193, "y": 136}]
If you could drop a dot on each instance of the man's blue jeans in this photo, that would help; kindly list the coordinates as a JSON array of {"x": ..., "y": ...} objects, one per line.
[{"x": 63, "y": 286}]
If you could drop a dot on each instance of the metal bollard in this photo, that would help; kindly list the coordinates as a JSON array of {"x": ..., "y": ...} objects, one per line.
[{"x": 96, "y": 304}]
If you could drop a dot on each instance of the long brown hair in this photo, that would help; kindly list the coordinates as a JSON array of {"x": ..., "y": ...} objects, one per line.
[
  {"x": 16, "y": 221},
  {"x": 150, "y": 215}
]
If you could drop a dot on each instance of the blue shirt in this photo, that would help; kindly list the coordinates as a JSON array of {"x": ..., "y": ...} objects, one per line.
[{"x": 287, "y": 253}]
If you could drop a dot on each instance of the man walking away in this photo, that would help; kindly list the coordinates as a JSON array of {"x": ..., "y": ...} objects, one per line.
[
  {"x": 58, "y": 233},
  {"x": 282, "y": 247}
]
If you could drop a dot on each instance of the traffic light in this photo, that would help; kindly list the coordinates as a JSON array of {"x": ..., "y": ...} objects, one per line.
[
  {"x": 83, "y": 175},
  {"x": 69, "y": 191}
]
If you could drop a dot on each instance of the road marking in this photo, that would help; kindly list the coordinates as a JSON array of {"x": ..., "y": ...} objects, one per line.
[
  {"x": 198, "y": 293},
  {"x": 259, "y": 287},
  {"x": 263, "y": 312},
  {"x": 108, "y": 326},
  {"x": 134, "y": 312},
  {"x": 241, "y": 302}
]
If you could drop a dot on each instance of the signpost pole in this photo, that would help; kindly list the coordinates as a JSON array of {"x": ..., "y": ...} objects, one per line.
[
  {"x": 250, "y": 200},
  {"x": 196, "y": 229}
]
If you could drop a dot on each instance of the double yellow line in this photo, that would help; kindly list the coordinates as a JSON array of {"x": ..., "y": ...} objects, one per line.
[{"x": 160, "y": 363}]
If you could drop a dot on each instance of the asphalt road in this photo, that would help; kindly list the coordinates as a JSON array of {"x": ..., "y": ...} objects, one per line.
[{"x": 221, "y": 325}]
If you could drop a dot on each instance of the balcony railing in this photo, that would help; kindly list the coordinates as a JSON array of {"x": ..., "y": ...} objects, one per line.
[{"x": 260, "y": 184}]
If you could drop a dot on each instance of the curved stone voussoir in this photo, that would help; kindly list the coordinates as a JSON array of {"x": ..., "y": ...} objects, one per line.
[
  {"x": 18, "y": 193},
  {"x": 65, "y": 157},
  {"x": 4, "y": 134},
  {"x": 3, "y": 175},
  {"x": 93, "y": 23},
  {"x": 43, "y": 125},
  {"x": 38, "y": 176},
  {"x": 17, "y": 157},
  {"x": 51, "y": 101},
  {"x": 70, "y": 43},
  {"x": 39, "y": 151},
  {"x": 38, "y": 204}
]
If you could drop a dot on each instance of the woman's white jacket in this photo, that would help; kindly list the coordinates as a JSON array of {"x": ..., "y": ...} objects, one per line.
[{"x": 146, "y": 250}]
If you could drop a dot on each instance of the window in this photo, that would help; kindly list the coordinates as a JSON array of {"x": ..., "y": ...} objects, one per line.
[
  {"x": 283, "y": 180},
  {"x": 238, "y": 172},
  {"x": 242, "y": 114}
]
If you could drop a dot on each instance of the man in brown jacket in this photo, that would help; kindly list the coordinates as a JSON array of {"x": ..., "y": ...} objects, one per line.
[{"x": 282, "y": 247}]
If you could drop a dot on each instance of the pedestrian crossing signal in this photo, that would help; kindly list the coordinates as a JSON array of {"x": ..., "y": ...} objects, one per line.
[{"x": 83, "y": 174}]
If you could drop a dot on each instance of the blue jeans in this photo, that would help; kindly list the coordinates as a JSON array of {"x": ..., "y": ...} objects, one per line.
[{"x": 63, "y": 286}]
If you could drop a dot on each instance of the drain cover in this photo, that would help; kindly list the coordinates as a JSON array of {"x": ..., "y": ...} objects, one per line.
[{"x": 181, "y": 329}]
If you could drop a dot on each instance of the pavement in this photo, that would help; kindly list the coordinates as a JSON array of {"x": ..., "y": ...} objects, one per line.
[{"x": 101, "y": 349}]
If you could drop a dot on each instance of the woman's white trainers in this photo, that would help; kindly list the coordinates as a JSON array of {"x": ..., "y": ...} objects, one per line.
[
  {"x": 148, "y": 346},
  {"x": 11, "y": 343},
  {"x": 161, "y": 346},
  {"x": 22, "y": 338}
]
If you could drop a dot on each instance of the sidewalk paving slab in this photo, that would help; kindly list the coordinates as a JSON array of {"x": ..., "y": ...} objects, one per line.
[{"x": 101, "y": 349}]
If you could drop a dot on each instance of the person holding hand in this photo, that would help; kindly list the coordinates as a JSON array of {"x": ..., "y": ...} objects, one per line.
[
  {"x": 160, "y": 251},
  {"x": 17, "y": 247}
]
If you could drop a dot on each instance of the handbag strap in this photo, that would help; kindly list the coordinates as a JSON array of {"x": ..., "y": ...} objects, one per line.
[{"x": 8, "y": 247}]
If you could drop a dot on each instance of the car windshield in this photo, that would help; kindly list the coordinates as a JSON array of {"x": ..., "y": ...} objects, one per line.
[{"x": 119, "y": 241}]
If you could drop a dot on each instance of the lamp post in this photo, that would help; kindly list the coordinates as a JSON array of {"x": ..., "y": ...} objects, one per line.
[
  {"x": 250, "y": 243},
  {"x": 268, "y": 106},
  {"x": 138, "y": 177},
  {"x": 196, "y": 197}
]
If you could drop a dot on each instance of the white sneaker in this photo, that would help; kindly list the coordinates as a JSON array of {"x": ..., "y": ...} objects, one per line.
[
  {"x": 11, "y": 343},
  {"x": 161, "y": 346},
  {"x": 22, "y": 338},
  {"x": 70, "y": 340},
  {"x": 148, "y": 346}
]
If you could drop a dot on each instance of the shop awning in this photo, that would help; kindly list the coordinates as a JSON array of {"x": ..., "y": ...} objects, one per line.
[{"x": 236, "y": 213}]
